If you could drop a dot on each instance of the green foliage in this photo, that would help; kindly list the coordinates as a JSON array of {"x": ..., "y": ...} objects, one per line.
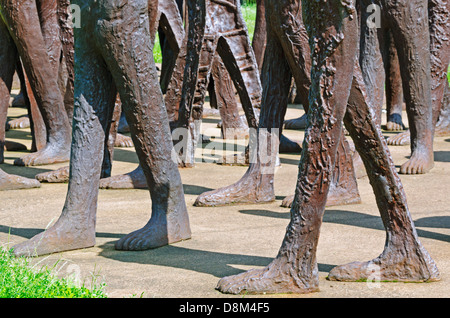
[
  {"x": 19, "y": 280},
  {"x": 249, "y": 13}
]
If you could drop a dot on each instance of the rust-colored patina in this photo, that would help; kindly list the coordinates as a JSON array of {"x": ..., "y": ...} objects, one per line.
[
  {"x": 338, "y": 95},
  {"x": 114, "y": 54}
]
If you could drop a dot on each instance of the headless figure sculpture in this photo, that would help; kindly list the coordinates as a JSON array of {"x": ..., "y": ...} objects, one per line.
[
  {"x": 287, "y": 55},
  {"x": 22, "y": 35},
  {"x": 337, "y": 95},
  {"x": 169, "y": 20},
  {"x": 422, "y": 89},
  {"x": 113, "y": 52}
]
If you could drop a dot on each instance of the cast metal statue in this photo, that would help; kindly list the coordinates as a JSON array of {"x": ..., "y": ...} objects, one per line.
[
  {"x": 423, "y": 77},
  {"x": 287, "y": 55},
  {"x": 439, "y": 17},
  {"x": 23, "y": 35},
  {"x": 337, "y": 96},
  {"x": 113, "y": 53}
]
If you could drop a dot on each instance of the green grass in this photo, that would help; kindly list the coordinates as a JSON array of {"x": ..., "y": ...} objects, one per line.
[
  {"x": 18, "y": 279},
  {"x": 249, "y": 13}
]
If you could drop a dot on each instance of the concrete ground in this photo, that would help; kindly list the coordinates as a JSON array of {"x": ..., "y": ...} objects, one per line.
[{"x": 228, "y": 240}]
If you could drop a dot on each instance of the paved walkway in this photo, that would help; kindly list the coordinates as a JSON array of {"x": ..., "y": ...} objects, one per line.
[{"x": 229, "y": 240}]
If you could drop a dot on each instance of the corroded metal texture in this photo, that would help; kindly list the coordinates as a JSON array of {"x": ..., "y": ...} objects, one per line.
[
  {"x": 439, "y": 18},
  {"x": 338, "y": 95},
  {"x": 287, "y": 55},
  {"x": 423, "y": 57},
  {"x": 112, "y": 59},
  {"x": 30, "y": 30},
  {"x": 443, "y": 124},
  {"x": 219, "y": 27}
]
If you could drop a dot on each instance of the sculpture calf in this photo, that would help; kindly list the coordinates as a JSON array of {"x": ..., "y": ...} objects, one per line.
[{"x": 113, "y": 53}]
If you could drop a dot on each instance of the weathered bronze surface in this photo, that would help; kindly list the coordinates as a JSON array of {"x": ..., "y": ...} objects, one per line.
[
  {"x": 113, "y": 53},
  {"x": 338, "y": 95},
  {"x": 37, "y": 42},
  {"x": 287, "y": 55},
  {"x": 416, "y": 34}
]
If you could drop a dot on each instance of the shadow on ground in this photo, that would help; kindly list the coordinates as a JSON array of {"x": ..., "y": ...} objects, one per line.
[
  {"x": 368, "y": 221},
  {"x": 213, "y": 263}
]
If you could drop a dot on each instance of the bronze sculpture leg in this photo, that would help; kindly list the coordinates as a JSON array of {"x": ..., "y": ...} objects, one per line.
[
  {"x": 171, "y": 25},
  {"x": 439, "y": 11},
  {"x": 287, "y": 55},
  {"x": 169, "y": 20},
  {"x": 333, "y": 27},
  {"x": 113, "y": 51},
  {"x": 421, "y": 127},
  {"x": 25, "y": 29},
  {"x": 233, "y": 125},
  {"x": 371, "y": 58},
  {"x": 443, "y": 124},
  {"x": 228, "y": 37},
  {"x": 394, "y": 90},
  {"x": 8, "y": 56}
]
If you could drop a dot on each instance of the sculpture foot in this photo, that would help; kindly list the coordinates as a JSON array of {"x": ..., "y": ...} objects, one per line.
[
  {"x": 251, "y": 189},
  {"x": 19, "y": 123},
  {"x": 132, "y": 180},
  {"x": 60, "y": 175},
  {"x": 14, "y": 182},
  {"x": 14, "y": 146},
  {"x": 63, "y": 236},
  {"x": 273, "y": 279},
  {"x": 48, "y": 155},
  {"x": 334, "y": 198},
  {"x": 123, "y": 141},
  {"x": 401, "y": 139},
  {"x": 296, "y": 123},
  {"x": 420, "y": 163},
  {"x": 289, "y": 146},
  {"x": 414, "y": 265},
  {"x": 394, "y": 123},
  {"x": 19, "y": 101},
  {"x": 153, "y": 235}
]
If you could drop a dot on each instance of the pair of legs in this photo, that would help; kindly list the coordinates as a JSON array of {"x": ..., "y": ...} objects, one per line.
[
  {"x": 439, "y": 15},
  {"x": 23, "y": 35},
  {"x": 114, "y": 53},
  {"x": 412, "y": 43},
  {"x": 224, "y": 33},
  {"x": 287, "y": 55},
  {"x": 169, "y": 21},
  {"x": 338, "y": 95},
  {"x": 443, "y": 124}
]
